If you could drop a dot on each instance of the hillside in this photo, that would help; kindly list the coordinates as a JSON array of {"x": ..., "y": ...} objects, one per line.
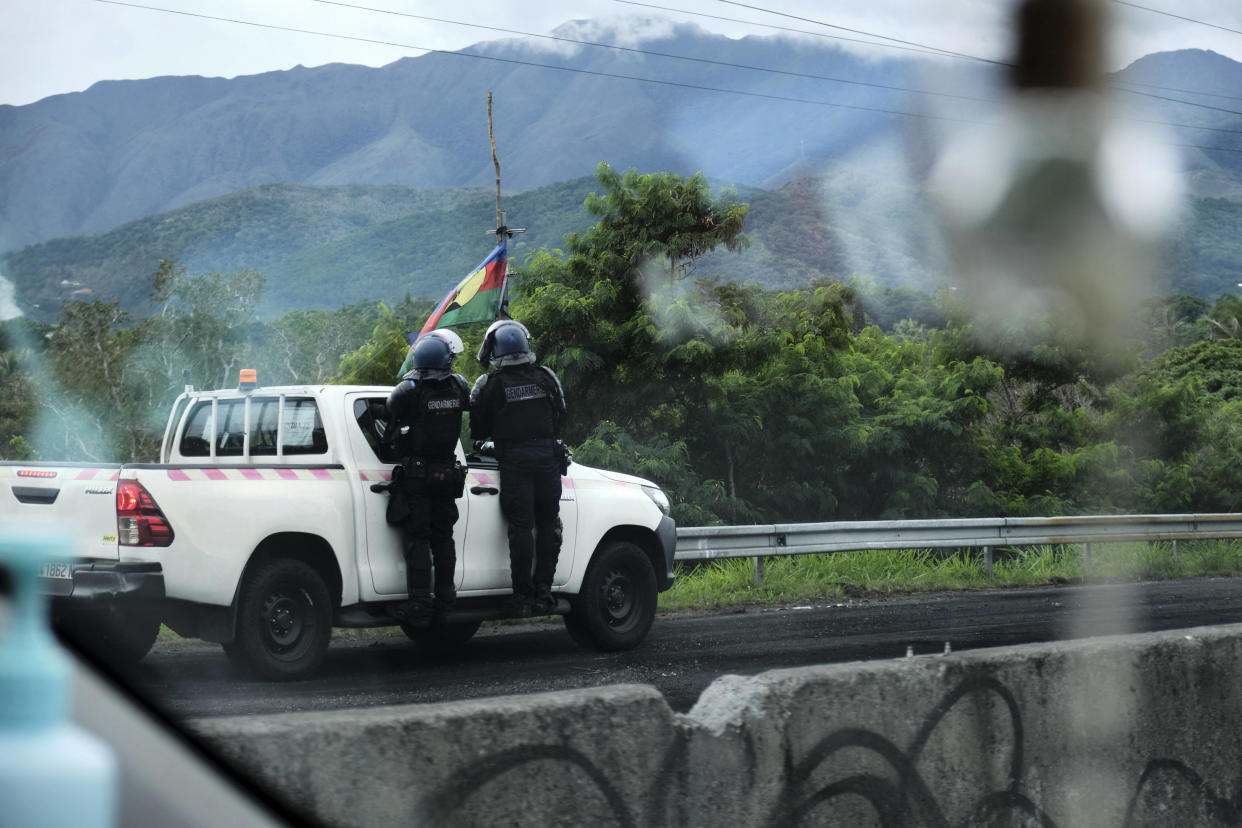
[
  {"x": 320, "y": 247},
  {"x": 316, "y": 246},
  {"x": 1192, "y": 88},
  {"x": 85, "y": 163}
]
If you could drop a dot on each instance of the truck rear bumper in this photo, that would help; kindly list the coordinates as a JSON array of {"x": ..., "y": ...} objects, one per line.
[{"x": 108, "y": 580}]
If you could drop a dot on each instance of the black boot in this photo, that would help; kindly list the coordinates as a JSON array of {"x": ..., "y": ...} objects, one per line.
[
  {"x": 545, "y": 602},
  {"x": 415, "y": 610},
  {"x": 521, "y": 606}
]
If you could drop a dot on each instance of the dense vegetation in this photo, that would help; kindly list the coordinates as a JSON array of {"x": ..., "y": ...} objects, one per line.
[{"x": 821, "y": 401}]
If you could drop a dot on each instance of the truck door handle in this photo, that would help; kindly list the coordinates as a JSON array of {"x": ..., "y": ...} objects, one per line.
[
  {"x": 484, "y": 490},
  {"x": 32, "y": 494}
]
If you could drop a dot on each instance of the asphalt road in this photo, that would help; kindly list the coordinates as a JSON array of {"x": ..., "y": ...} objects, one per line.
[{"x": 683, "y": 653}]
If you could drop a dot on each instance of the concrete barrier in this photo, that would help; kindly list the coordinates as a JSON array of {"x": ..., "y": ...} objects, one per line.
[{"x": 1123, "y": 731}]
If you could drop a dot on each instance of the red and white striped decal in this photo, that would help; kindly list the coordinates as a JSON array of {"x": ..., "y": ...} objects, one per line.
[
  {"x": 97, "y": 474},
  {"x": 209, "y": 473}
]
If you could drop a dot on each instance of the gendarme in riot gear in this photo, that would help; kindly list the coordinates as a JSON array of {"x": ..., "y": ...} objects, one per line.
[
  {"x": 424, "y": 412},
  {"x": 521, "y": 407}
]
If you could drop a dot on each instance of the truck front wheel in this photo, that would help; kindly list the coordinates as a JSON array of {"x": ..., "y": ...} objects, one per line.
[
  {"x": 284, "y": 621},
  {"x": 617, "y": 603}
]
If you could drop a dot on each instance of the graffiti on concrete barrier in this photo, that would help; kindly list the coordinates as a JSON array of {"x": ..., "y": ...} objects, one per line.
[
  {"x": 1220, "y": 810},
  {"x": 909, "y": 799},
  {"x": 440, "y": 807},
  {"x": 894, "y": 790}
]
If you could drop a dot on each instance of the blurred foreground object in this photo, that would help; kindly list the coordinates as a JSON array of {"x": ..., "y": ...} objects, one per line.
[
  {"x": 52, "y": 772},
  {"x": 1054, "y": 207}
]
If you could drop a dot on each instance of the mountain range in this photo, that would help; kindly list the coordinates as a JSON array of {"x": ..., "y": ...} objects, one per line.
[{"x": 379, "y": 179}]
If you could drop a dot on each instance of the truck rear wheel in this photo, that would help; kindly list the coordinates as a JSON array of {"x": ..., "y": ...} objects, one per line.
[
  {"x": 617, "y": 603},
  {"x": 121, "y": 635},
  {"x": 284, "y": 621}
]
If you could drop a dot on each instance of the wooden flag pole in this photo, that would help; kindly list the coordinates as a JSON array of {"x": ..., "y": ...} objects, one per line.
[
  {"x": 491, "y": 136},
  {"x": 502, "y": 232}
]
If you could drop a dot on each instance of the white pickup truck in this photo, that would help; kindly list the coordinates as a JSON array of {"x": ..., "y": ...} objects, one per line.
[{"x": 259, "y": 530}]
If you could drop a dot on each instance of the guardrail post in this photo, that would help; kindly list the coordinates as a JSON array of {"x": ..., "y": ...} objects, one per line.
[
  {"x": 1086, "y": 557},
  {"x": 987, "y": 561},
  {"x": 1176, "y": 548},
  {"x": 758, "y": 570}
]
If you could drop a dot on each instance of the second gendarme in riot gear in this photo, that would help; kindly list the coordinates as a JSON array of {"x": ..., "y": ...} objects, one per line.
[
  {"x": 520, "y": 406},
  {"x": 425, "y": 411}
]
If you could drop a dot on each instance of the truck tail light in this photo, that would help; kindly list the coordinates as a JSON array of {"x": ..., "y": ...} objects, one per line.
[{"x": 139, "y": 521}]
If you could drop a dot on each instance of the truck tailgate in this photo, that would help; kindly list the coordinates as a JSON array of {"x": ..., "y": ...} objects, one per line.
[{"x": 78, "y": 499}]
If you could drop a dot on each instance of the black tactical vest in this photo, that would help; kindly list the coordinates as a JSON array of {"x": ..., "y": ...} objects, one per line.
[
  {"x": 527, "y": 410},
  {"x": 433, "y": 416}
]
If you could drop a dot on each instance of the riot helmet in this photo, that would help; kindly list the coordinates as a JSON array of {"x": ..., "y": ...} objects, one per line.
[
  {"x": 450, "y": 338},
  {"x": 507, "y": 342},
  {"x": 432, "y": 353}
]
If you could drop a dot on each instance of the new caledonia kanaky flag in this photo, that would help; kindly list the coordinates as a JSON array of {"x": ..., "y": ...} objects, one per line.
[{"x": 476, "y": 298}]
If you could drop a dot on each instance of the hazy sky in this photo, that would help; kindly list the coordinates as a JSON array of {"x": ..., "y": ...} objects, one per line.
[{"x": 53, "y": 46}]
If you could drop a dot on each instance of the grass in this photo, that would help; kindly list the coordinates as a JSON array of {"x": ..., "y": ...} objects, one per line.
[{"x": 808, "y": 578}]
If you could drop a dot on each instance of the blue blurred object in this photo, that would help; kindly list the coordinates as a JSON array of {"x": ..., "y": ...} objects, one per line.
[{"x": 52, "y": 772}]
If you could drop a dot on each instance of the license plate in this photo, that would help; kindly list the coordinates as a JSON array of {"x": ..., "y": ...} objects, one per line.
[{"x": 55, "y": 570}]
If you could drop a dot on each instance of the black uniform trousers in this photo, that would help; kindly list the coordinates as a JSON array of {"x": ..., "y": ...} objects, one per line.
[
  {"x": 531, "y": 504},
  {"x": 427, "y": 535}
]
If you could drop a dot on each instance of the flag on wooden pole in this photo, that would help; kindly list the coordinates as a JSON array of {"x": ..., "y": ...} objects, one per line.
[{"x": 477, "y": 298}]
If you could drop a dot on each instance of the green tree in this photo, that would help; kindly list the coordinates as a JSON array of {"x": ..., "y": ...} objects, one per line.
[
  {"x": 306, "y": 347},
  {"x": 613, "y": 312},
  {"x": 201, "y": 324},
  {"x": 17, "y": 407},
  {"x": 90, "y": 387},
  {"x": 1216, "y": 364},
  {"x": 1225, "y": 318},
  {"x": 375, "y": 361},
  {"x": 1166, "y": 322}
]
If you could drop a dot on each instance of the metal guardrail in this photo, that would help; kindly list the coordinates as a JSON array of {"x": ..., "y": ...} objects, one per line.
[{"x": 705, "y": 543}]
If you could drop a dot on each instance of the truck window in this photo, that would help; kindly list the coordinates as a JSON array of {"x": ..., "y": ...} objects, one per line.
[
  {"x": 196, "y": 439},
  {"x": 372, "y": 417},
  {"x": 230, "y": 416},
  {"x": 264, "y": 414},
  {"x": 230, "y": 428},
  {"x": 170, "y": 430},
  {"x": 302, "y": 431}
]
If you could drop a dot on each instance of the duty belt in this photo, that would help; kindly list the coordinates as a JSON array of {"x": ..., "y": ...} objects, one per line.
[
  {"x": 417, "y": 466},
  {"x": 534, "y": 442}
]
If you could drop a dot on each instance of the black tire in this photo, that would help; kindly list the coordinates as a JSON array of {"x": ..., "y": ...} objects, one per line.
[
  {"x": 284, "y": 621},
  {"x": 617, "y": 603},
  {"x": 134, "y": 632},
  {"x": 441, "y": 638},
  {"x": 237, "y": 659},
  {"x": 119, "y": 635}
]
